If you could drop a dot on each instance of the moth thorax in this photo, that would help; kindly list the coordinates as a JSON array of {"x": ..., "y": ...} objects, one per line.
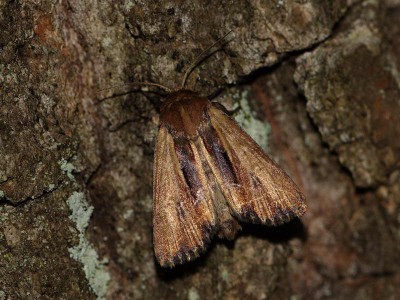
[{"x": 183, "y": 112}]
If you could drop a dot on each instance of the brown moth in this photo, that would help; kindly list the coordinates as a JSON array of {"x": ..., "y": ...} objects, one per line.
[{"x": 208, "y": 175}]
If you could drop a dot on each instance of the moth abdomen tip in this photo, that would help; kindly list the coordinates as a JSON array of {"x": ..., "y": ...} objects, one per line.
[{"x": 207, "y": 231}]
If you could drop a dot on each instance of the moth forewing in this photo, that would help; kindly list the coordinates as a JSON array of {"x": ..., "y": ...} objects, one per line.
[
  {"x": 267, "y": 194},
  {"x": 184, "y": 216}
]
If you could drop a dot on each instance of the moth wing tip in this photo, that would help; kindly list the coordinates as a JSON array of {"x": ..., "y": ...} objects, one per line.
[
  {"x": 184, "y": 255},
  {"x": 290, "y": 214},
  {"x": 278, "y": 215}
]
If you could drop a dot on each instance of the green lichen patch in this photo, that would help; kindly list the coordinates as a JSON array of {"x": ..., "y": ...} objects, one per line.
[
  {"x": 257, "y": 129},
  {"x": 84, "y": 252},
  {"x": 67, "y": 168}
]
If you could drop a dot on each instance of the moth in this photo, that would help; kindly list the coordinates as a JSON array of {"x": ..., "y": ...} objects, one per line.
[{"x": 209, "y": 175}]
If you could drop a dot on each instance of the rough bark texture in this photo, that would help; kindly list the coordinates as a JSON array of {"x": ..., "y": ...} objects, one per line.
[{"x": 323, "y": 82}]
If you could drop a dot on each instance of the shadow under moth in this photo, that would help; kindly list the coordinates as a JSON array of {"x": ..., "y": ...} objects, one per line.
[{"x": 208, "y": 175}]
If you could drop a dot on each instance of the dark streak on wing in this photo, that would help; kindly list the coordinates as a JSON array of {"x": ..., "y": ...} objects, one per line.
[
  {"x": 180, "y": 210},
  {"x": 216, "y": 149},
  {"x": 188, "y": 167}
]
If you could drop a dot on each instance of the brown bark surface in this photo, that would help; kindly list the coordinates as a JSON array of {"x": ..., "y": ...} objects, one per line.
[{"x": 317, "y": 82}]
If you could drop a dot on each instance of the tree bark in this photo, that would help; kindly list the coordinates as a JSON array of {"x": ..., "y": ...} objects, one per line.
[{"x": 316, "y": 83}]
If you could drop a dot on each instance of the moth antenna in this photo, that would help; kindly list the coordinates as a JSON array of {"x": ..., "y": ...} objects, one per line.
[
  {"x": 199, "y": 58},
  {"x": 143, "y": 83}
]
